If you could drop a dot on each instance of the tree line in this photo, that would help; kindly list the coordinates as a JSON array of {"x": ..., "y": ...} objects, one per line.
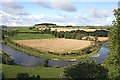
[{"x": 75, "y": 34}]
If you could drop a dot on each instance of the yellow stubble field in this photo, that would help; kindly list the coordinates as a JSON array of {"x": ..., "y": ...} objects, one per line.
[
  {"x": 68, "y": 29},
  {"x": 55, "y": 44}
]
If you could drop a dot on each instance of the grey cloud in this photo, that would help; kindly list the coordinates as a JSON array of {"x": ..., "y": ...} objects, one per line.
[
  {"x": 44, "y": 4},
  {"x": 97, "y": 13},
  {"x": 13, "y": 8},
  {"x": 66, "y": 6},
  {"x": 9, "y": 19},
  {"x": 55, "y": 4}
]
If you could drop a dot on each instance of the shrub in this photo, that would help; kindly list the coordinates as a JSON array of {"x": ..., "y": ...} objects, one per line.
[
  {"x": 87, "y": 51},
  {"x": 86, "y": 68},
  {"x": 44, "y": 63}
]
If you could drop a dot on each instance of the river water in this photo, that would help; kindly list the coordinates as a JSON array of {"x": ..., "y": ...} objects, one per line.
[
  {"x": 23, "y": 59},
  {"x": 103, "y": 53}
]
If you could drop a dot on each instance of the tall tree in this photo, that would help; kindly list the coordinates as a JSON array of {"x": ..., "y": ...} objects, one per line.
[
  {"x": 115, "y": 37},
  {"x": 86, "y": 69},
  {"x": 114, "y": 58}
]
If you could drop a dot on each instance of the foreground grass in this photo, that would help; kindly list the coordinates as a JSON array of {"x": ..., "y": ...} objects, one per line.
[
  {"x": 24, "y": 36},
  {"x": 11, "y": 71}
]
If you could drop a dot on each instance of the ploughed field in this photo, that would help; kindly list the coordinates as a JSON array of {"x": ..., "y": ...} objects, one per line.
[{"x": 55, "y": 44}]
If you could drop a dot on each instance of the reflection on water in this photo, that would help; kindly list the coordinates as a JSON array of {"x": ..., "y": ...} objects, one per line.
[
  {"x": 23, "y": 59},
  {"x": 103, "y": 53}
]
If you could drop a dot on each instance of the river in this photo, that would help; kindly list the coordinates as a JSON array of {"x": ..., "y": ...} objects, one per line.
[
  {"x": 23, "y": 59},
  {"x": 103, "y": 53}
]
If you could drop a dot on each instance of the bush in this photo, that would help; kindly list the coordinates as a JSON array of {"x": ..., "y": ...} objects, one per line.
[
  {"x": 79, "y": 37},
  {"x": 6, "y": 59},
  {"x": 86, "y": 68},
  {"x": 44, "y": 63},
  {"x": 25, "y": 76},
  {"x": 87, "y": 51},
  {"x": 22, "y": 76}
]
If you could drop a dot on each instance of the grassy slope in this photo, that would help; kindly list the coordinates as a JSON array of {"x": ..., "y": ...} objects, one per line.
[
  {"x": 25, "y": 36},
  {"x": 10, "y": 71}
]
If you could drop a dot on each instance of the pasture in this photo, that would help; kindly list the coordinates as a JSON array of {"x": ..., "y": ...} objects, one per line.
[
  {"x": 20, "y": 29},
  {"x": 55, "y": 44},
  {"x": 24, "y": 36}
]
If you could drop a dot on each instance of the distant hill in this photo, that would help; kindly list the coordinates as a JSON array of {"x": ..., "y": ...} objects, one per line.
[{"x": 3, "y": 26}]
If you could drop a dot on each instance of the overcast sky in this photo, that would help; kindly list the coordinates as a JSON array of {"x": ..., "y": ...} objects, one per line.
[{"x": 60, "y": 12}]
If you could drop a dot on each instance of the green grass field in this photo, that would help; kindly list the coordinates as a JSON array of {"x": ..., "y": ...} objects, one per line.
[
  {"x": 24, "y": 36},
  {"x": 11, "y": 71},
  {"x": 20, "y": 29}
]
